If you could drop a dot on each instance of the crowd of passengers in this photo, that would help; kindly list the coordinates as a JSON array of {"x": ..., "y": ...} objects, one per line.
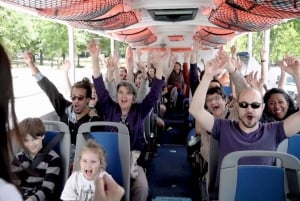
[{"x": 254, "y": 118}]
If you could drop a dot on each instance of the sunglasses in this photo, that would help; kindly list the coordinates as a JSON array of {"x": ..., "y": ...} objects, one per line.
[
  {"x": 253, "y": 105},
  {"x": 79, "y": 98}
]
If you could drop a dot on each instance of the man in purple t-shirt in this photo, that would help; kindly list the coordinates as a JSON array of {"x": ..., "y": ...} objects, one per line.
[{"x": 247, "y": 133}]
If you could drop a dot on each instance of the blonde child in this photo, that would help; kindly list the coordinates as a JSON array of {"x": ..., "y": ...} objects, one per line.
[{"x": 81, "y": 184}]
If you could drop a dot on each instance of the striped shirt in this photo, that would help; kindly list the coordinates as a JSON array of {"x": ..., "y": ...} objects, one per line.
[{"x": 39, "y": 183}]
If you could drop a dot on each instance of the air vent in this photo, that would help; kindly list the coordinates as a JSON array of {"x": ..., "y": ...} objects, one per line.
[
  {"x": 176, "y": 38},
  {"x": 173, "y": 15}
]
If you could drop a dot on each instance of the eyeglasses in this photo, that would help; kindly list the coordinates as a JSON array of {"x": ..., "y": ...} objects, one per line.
[
  {"x": 79, "y": 98},
  {"x": 216, "y": 98},
  {"x": 253, "y": 105}
]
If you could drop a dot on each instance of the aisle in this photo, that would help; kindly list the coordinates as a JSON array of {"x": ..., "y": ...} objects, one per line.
[{"x": 170, "y": 176}]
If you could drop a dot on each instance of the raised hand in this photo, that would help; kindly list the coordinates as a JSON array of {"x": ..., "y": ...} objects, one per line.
[
  {"x": 111, "y": 63},
  {"x": 93, "y": 48},
  {"x": 254, "y": 82},
  {"x": 291, "y": 65},
  {"x": 129, "y": 54},
  {"x": 66, "y": 66},
  {"x": 28, "y": 58},
  {"x": 107, "y": 189},
  {"x": 214, "y": 66}
]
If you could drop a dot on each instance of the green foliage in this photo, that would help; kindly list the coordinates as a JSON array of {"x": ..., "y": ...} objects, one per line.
[
  {"x": 19, "y": 32},
  {"x": 284, "y": 40}
]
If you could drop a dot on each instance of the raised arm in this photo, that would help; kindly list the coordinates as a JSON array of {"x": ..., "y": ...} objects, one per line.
[
  {"x": 66, "y": 66},
  {"x": 185, "y": 70},
  {"x": 94, "y": 51},
  {"x": 197, "y": 106},
  {"x": 264, "y": 67},
  {"x": 28, "y": 58},
  {"x": 129, "y": 64},
  {"x": 292, "y": 66},
  {"x": 173, "y": 58},
  {"x": 144, "y": 85},
  {"x": 282, "y": 77},
  {"x": 233, "y": 66},
  {"x": 194, "y": 73},
  {"x": 159, "y": 57},
  {"x": 56, "y": 98}
]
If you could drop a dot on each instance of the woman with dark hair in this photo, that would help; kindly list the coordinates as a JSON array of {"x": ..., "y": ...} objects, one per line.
[
  {"x": 8, "y": 122},
  {"x": 278, "y": 105}
]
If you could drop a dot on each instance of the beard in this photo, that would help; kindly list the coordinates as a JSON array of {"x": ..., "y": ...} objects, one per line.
[{"x": 248, "y": 124}]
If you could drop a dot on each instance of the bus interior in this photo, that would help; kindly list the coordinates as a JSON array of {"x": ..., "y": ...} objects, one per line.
[{"x": 174, "y": 165}]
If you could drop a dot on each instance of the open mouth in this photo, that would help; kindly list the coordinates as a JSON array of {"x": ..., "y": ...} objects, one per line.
[
  {"x": 250, "y": 117},
  {"x": 88, "y": 173},
  {"x": 216, "y": 107}
]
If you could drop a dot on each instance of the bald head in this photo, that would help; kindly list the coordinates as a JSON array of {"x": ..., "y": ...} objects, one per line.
[
  {"x": 250, "y": 95},
  {"x": 251, "y": 106}
]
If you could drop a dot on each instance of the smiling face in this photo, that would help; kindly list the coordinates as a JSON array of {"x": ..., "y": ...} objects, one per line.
[
  {"x": 122, "y": 73},
  {"x": 216, "y": 104},
  {"x": 33, "y": 144},
  {"x": 151, "y": 72},
  {"x": 177, "y": 67},
  {"x": 249, "y": 116},
  {"x": 278, "y": 106},
  {"x": 90, "y": 164},
  {"x": 138, "y": 80},
  {"x": 125, "y": 96}
]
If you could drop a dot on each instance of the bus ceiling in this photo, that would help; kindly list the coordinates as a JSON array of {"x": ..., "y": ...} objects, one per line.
[{"x": 156, "y": 23}]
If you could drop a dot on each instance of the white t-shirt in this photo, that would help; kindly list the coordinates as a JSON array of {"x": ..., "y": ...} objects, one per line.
[
  {"x": 79, "y": 188},
  {"x": 9, "y": 192}
]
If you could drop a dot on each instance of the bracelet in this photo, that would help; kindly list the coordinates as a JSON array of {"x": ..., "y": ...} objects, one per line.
[{"x": 262, "y": 60}]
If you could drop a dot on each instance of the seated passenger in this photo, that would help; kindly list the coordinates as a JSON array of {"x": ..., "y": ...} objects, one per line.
[
  {"x": 72, "y": 113},
  {"x": 37, "y": 172},
  {"x": 127, "y": 111},
  {"x": 279, "y": 105},
  {"x": 8, "y": 120},
  {"x": 247, "y": 133},
  {"x": 81, "y": 184},
  {"x": 176, "y": 84}
]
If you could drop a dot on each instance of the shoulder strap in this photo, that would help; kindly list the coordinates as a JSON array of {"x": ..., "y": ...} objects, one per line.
[
  {"x": 40, "y": 156},
  {"x": 227, "y": 114}
]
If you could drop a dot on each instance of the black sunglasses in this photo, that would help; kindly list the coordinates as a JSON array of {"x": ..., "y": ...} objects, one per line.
[
  {"x": 79, "y": 98},
  {"x": 253, "y": 105}
]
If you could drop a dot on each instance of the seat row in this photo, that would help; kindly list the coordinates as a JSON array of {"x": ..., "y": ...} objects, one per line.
[
  {"x": 116, "y": 144},
  {"x": 256, "y": 182}
]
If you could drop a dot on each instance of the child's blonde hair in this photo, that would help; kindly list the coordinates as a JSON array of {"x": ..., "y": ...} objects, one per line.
[{"x": 92, "y": 145}]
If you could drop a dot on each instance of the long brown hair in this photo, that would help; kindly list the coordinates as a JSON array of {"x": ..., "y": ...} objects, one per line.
[{"x": 8, "y": 120}]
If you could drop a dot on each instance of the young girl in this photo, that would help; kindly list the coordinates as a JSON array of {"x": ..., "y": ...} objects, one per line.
[{"x": 81, "y": 184}]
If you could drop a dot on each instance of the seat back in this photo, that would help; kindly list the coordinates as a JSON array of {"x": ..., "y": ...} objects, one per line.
[
  {"x": 212, "y": 169},
  {"x": 63, "y": 147},
  {"x": 116, "y": 144},
  {"x": 291, "y": 145},
  {"x": 255, "y": 182},
  {"x": 147, "y": 127}
]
